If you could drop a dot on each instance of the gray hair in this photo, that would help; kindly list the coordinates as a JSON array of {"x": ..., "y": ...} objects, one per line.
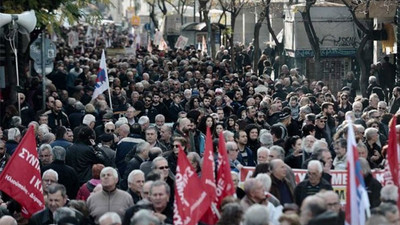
[
  {"x": 160, "y": 116},
  {"x": 266, "y": 139},
  {"x": 48, "y": 138},
  {"x": 389, "y": 193},
  {"x": 13, "y": 133},
  {"x": 143, "y": 120},
  {"x": 141, "y": 146},
  {"x": 88, "y": 118},
  {"x": 318, "y": 145},
  {"x": 256, "y": 215},
  {"x": 44, "y": 129},
  {"x": 230, "y": 145},
  {"x": 265, "y": 179},
  {"x": 79, "y": 106},
  {"x": 306, "y": 109},
  {"x": 249, "y": 184},
  {"x": 144, "y": 217},
  {"x": 44, "y": 147},
  {"x": 196, "y": 157},
  {"x": 278, "y": 149},
  {"x": 115, "y": 219},
  {"x": 157, "y": 159},
  {"x": 369, "y": 132},
  {"x": 50, "y": 171},
  {"x": 59, "y": 153},
  {"x": 159, "y": 183},
  {"x": 113, "y": 171},
  {"x": 315, "y": 163},
  {"x": 16, "y": 121},
  {"x": 365, "y": 168},
  {"x": 262, "y": 149},
  {"x": 63, "y": 212},
  {"x": 133, "y": 174},
  {"x": 227, "y": 134}
]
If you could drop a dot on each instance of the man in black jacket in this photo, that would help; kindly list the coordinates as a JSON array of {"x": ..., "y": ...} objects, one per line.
[
  {"x": 142, "y": 154},
  {"x": 67, "y": 175},
  {"x": 313, "y": 184},
  {"x": 56, "y": 198},
  {"x": 82, "y": 156}
]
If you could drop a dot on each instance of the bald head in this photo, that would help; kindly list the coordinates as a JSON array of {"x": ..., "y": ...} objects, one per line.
[{"x": 7, "y": 220}]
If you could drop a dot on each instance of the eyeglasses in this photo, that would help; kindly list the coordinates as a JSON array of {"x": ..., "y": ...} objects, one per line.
[
  {"x": 163, "y": 167},
  {"x": 109, "y": 130},
  {"x": 176, "y": 146},
  {"x": 382, "y": 108},
  {"x": 147, "y": 100},
  {"x": 1, "y": 148},
  {"x": 322, "y": 121}
]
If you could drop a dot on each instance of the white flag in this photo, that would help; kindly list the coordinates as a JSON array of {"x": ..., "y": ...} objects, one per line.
[{"x": 102, "y": 78}]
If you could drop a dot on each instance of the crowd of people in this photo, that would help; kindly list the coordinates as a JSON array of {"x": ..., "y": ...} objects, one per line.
[{"x": 112, "y": 159}]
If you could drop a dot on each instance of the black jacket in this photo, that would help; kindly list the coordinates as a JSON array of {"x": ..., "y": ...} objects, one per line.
[
  {"x": 133, "y": 164},
  {"x": 304, "y": 189},
  {"x": 43, "y": 217},
  {"x": 66, "y": 176},
  {"x": 81, "y": 157},
  {"x": 374, "y": 190}
]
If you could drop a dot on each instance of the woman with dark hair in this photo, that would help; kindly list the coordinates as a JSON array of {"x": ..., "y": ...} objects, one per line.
[
  {"x": 308, "y": 129},
  {"x": 253, "y": 143},
  {"x": 62, "y": 136},
  {"x": 207, "y": 121},
  {"x": 262, "y": 168},
  {"x": 343, "y": 106},
  {"x": 294, "y": 153},
  {"x": 231, "y": 122},
  {"x": 194, "y": 103}
]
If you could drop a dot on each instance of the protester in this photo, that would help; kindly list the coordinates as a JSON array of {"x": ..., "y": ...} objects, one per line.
[{"x": 168, "y": 97}]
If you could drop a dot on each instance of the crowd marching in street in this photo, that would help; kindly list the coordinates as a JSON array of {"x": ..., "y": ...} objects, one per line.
[{"x": 163, "y": 137}]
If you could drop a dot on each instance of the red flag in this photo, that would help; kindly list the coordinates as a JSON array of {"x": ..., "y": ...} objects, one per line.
[
  {"x": 392, "y": 164},
  {"x": 21, "y": 178},
  {"x": 208, "y": 180},
  {"x": 191, "y": 201},
  {"x": 225, "y": 185}
]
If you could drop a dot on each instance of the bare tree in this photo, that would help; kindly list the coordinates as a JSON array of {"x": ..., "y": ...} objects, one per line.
[
  {"x": 367, "y": 35},
  {"x": 152, "y": 5},
  {"x": 257, "y": 28},
  {"x": 180, "y": 7},
  {"x": 233, "y": 7},
  {"x": 312, "y": 37}
]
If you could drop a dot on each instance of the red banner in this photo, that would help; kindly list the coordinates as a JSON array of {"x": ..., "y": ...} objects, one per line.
[
  {"x": 191, "y": 201},
  {"x": 208, "y": 181},
  {"x": 225, "y": 185},
  {"x": 21, "y": 178}
]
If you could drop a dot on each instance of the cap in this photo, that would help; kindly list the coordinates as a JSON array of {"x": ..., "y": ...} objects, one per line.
[
  {"x": 320, "y": 117},
  {"x": 108, "y": 115},
  {"x": 106, "y": 137},
  {"x": 284, "y": 115}
]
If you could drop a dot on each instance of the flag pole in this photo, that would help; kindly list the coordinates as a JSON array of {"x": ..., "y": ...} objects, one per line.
[
  {"x": 109, "y": 97},
  {"x": 108, "y": 82}
]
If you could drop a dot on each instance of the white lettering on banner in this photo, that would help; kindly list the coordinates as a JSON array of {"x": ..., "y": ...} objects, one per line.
[
  {"x": 301, "y": 176},
  {"x": 38, "y": 183},
  {"x": 181, "y": 182},
  {"x": 23, "y": 188},
  {"x": 220, "y": 187},
  {"x": 30, "y": 158},
  {"x": 177, "y": 217}
]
